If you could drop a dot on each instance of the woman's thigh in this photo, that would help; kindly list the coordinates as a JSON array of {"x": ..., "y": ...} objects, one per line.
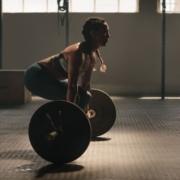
[{"x": 40, "y": 82}]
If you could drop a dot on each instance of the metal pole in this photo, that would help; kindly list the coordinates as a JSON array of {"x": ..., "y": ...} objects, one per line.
[
  {"x": 67, "y": 23},
  {"x": 1, "y": 31},
  {"x": 65, "y": 16},
  {"x": 163, "y": 48}
]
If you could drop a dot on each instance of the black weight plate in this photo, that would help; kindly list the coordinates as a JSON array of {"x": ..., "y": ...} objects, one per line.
[
  {"x": 105, "y": 112},
  {"x": 70, "y": 143}
]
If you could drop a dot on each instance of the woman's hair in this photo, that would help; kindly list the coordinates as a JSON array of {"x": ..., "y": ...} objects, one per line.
[{"x": 93, "y": 23}]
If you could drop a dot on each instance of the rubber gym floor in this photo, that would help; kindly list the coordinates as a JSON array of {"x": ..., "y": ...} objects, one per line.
[{"x": 143, "y": 144}]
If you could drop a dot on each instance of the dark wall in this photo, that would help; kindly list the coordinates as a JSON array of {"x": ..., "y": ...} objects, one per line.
[{"x": 132, "y": 56}]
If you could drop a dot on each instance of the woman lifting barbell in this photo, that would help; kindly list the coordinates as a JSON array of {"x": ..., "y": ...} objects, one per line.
[{"x": 56, "y": 77}]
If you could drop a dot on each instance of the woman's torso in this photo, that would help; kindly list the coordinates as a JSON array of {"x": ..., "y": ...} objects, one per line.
[{"x": 63, "y": 60}]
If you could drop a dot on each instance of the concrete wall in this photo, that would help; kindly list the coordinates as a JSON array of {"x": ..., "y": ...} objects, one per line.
[{"x": 133, "y": 53}]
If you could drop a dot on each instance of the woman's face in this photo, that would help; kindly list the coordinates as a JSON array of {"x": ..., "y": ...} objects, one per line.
[{"x": 101, "y": 37}]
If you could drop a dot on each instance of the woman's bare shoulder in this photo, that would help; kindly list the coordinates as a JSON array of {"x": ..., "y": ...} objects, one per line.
[{"x": 73, "y": 51}]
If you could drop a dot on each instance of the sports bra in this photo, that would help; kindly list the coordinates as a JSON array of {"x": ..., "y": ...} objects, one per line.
[{"x": 62, "y": 65}]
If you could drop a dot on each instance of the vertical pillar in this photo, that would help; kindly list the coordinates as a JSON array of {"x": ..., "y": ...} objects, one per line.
[
  {"x": 67, "y": 23},
  {"x": 65, "y": 7},
  {"x": 1, "y": 31},
  {"x": 163, "y": 49}
]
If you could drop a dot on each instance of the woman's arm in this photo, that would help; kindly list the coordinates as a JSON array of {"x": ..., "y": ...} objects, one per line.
[
  {"x": 74, "y": 64},
  {"x": 85, "y": 82},
  {"x": 86, "y": 78}
]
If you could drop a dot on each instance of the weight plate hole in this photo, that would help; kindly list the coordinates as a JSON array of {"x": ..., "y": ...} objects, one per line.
[{"x": 91, "y": 113}]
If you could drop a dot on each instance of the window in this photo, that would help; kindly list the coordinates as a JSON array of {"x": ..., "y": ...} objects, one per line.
[
  {"x": 12, "y": 6},
  {"x": 17, "y": 6},
  {"x": 35, "y": 6},
  {"x": 128, "y": 6},
  {"x": 172, "y": 6},
  {"x": 81, "y": 5},
  {"x": 106, "y": 6},
  {"x": 52, "y": 6}
]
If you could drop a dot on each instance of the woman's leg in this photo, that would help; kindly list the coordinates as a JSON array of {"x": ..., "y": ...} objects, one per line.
[{"x": 40, "y": 82}]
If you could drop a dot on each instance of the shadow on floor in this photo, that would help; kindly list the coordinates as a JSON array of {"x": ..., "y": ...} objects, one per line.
[
  {"x": 54, "y": 168},
  {"x": 100, "y": 139},
  {"x": 39, "y": 166}
]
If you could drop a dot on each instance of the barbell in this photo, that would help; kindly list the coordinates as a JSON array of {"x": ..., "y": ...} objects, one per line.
[{"x": 60, "y": 131}]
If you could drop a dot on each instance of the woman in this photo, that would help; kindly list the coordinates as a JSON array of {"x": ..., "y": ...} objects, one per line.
[{"x": 56, "y": 77}]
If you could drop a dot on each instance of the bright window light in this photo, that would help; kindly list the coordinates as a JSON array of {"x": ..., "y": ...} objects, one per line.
[
  {"x": 12, "y": 6},
  {"x": 172, "y": 6},
  {"x": 52, "y": 6},
  {"x": 26, "y": 6},
  {"x": 128, "y": 6},
  {"x": 152, "y": 98},
  {"x": 106, "y": 6},
  {"x": 35, "y": 6},
  {"x": 82, "y": 6}
]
